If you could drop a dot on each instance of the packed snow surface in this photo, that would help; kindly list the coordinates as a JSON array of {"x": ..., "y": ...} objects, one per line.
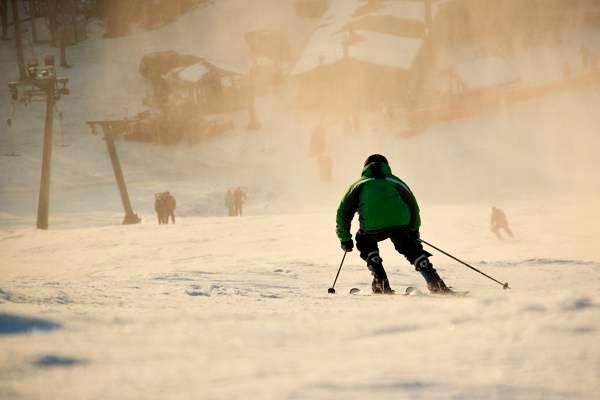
[
  {"x": 216, "y": 307},
  {"x": 227, "y": 308}
]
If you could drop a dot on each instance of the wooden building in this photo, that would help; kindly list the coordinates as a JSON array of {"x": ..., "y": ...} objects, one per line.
[{"x": 191, "y": 102}]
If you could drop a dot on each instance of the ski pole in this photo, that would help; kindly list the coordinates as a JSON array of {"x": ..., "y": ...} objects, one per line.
[
  {"x": 504, "y": 285},
  {"x": 331, "y": 290}
]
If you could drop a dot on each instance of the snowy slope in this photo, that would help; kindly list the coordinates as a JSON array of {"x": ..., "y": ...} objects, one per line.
[{"x": 231, "y": 308}]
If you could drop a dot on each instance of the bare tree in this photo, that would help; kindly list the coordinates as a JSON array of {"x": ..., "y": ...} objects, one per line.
[
  {"x": 19, "y": 40},
  {"x": 61, "y": 21},
  {"x": 57, "y": 20},
  {"x": 4, "y": 16},
  {"x": 34, "y": 12},
  {"x": 52, "y": 11},
  {"x": 73, "y": 12}
]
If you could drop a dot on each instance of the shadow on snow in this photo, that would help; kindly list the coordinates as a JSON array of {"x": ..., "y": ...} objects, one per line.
[
  {"x": 427, "y": 390},
  {"x": 12, "y": 324},
  {"x": 53, "y": 360}
]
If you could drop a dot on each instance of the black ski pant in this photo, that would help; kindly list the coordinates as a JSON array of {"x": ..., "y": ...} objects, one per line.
[{"x": 405, "y": 242}]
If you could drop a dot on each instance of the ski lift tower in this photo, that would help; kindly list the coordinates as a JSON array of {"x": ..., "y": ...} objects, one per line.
[
  {"x": 42, "y": 85},
  {"x": 112, "y": 130}
]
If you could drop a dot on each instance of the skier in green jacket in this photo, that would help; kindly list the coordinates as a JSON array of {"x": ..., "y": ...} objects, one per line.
[{"x": 387, "y": 209}]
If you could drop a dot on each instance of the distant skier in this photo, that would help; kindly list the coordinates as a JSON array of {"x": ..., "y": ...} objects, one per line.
[
  {"x": 387, "y": 209},
  {"x": 239, "y": 196},
  {"x": 164, "y": 205},
  {"x": 318, "y": 141},
  {"x": 498, "y": 223},
  {"x": 325, "y": 167},
  {"x": 229, "y": 203}
]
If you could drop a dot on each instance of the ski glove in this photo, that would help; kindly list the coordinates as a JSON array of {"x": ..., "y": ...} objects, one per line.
[{"x": 347, "y": 245}]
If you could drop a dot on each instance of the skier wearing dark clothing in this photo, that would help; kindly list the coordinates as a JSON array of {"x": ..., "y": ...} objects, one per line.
[{"x": 387, "y": 209}]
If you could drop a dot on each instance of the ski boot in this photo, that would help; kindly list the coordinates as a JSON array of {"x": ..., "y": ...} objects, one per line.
[
  {"x": 380, "y": 284},
  {"x": 435, "y": 284}
]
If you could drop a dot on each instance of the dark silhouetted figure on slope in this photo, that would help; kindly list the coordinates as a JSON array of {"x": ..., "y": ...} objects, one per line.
[
  {"x": 238, "y": 201},
  {"x": 229, "y": 203},
  {"x": 387, "y": 209},
  {"x": 164, "y": 205},
  {"x": 499, "y": 223}
]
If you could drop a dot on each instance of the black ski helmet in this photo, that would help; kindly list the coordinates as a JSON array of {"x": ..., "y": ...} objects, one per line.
[{"x": 378, "y": 158}]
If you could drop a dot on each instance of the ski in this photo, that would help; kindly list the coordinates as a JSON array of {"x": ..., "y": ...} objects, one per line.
[{"x": 410, "y": 291}]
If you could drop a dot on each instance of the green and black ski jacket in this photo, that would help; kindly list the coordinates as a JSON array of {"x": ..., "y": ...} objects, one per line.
[{"x": 383, "y": 202}]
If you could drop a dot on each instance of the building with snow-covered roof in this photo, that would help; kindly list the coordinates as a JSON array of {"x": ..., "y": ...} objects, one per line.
[
  {"x": 210, "y": 88},
  {"x": 371, "y": 47},
  {"x": 406, "y": 18},
  {"x": 372, "y": 70},
  {"x": 385, "y": 50}
]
